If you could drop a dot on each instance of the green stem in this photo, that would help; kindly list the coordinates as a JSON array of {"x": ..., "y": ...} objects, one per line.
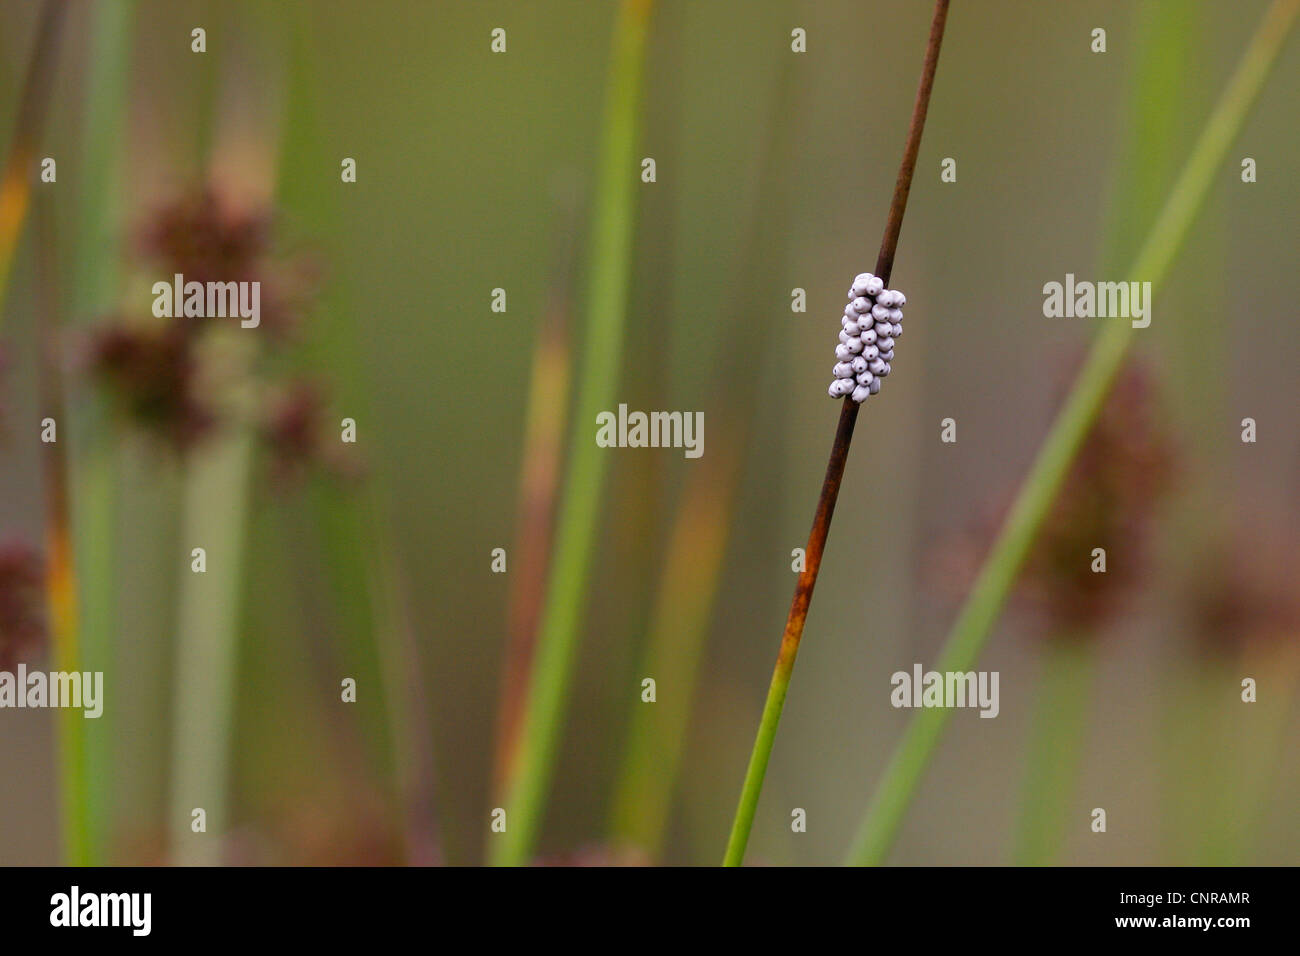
[
  {"x": 1056, "y": 739},
  {"x": 678, "y": 627},
  {"x": 606, "y": 306},
  {"x": 215, "y": 511},
  {"x": 91, "y": 446},
  {"x": 803, "y": 591},
  {"x": 984, "y": 604}
]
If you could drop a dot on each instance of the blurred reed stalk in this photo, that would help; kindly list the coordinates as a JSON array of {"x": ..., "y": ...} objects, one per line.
[
  {"x": 971, "y": 629},
  {"x": 33, "y": 109},
  {"x": 548, "y": 398},
  {"x": 771, "y": 718},
  {"x": 1057, "y": 731},
  {"x": 679, "y": 624},
  {"x": 16, "y": 181},
  {"x": 1056, "y": 736},
  {"x": 1250, "y": 770},
  {"x": 609, "y": 267},
  {"x": 92, "y": 448},
  {"x": 215, "y": 498},
  {"x": 214, "y": 517},
  {"x": 354, "y": 526},
  {"x": 692, "y": 567},
  {"x": 1220, "y": 754},
  {"x": 60, "y": 565}
]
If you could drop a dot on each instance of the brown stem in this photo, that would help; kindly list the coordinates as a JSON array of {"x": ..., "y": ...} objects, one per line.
[
  {"x": 849, "y": 411},
  {"x": 821, "y": 527}
]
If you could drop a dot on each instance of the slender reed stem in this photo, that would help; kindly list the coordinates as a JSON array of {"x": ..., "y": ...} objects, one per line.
[
  {"x": 985, "y": 601},
  {"x": 93, "y": 448},
  {"x": 215, "y": 511},
  {"x": 606, "y": 306},
  {"x": 60, "y": 564},
  {"x": 691, "y": 572},
  {"x": 678, "y": 626},
  {"x": 1055, "y": 740},
  {"x": 803, "y": 591},
  {"x": 18, "y": 173},
  {"x": 354, "y": 528},
  {"x": 548, "y": 397}
]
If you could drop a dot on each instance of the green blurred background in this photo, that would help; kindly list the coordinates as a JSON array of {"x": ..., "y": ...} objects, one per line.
[{"x": 1063, "y": 156}]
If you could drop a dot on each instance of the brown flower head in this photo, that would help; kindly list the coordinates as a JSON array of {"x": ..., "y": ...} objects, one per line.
[
  {"x": 207, "y": 237},
  {"x": 152, "y": 373},
  {"x": 1124, "y": 467},
  {"x": 22, "y": 609},
  {"x": 299, "y": 437},
  {"x": 1244, "y": 593}
]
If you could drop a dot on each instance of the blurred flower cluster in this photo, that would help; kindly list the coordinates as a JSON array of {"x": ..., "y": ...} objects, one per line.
[
  {"x": 162, "y": 374},
  {"x": 1124, "y": 468},
  {"x": 1244, "y": 593},
  {"x": 22, "y": 611},
  {"x": 1126, "y": 465}
]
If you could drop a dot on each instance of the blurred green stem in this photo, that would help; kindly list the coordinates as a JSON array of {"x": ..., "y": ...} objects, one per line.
[
  {"x": 215, "y": 511},
  {"x": 678, "y": 626},
  {"x": 33, "y": 108},
  {"x": 609, "y": 267},
  {"x": 752, "y": 787},
  {"x": 92, "y": 448},
  {"x": 984, "y": 604},
  {"x": 1056, "y": 740}
]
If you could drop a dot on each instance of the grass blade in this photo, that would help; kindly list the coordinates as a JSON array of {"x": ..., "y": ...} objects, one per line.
[{"x": 606, "y": 306}]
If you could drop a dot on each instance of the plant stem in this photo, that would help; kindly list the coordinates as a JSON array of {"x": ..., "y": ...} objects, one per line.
[
  {"x": 982, "y": 607},
  {"x": 33, "y": 108},
  {"x": 1055, "y": 741},
  {"x": 691, "y": 572},
  {"x": 678, "y": 625},
  {"x": 215, "y": 511},
  {"x": 93, "y": 449},
  {"x": 606, "y": 307},
  {"x": 803, "y": 591},
  {"x": 543, "y": 450},
  {"x": 60, "y": 564}
]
